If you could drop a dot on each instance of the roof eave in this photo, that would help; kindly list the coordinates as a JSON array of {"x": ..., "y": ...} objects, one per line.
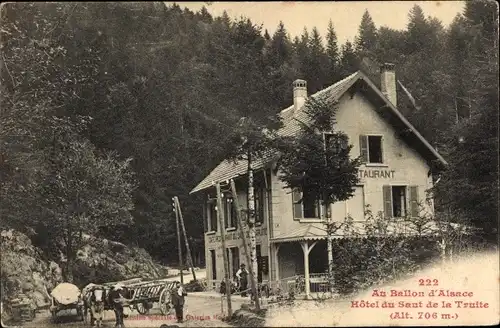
[{"x": 404, "y": 120}]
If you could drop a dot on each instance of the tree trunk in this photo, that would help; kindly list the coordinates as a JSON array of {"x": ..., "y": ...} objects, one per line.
[
  {"x": 188, "y": 249},
  {"x": 251, "y": 222},
  {"x": 329, "y": 244},
  {"x": 227, "y": 279},
  {"x": 68, "y": 275},
  {"x": 329, "y": 240},
  {"x": 245, "y": 243}
]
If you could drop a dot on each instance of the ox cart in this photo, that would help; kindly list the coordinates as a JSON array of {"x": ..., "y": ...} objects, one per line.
[
  {"x": 141, "y": 295},
  {"x": 66, "y": 296}
]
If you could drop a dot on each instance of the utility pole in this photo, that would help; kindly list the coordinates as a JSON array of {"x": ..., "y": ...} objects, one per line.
[
  {"x": 188, "y": 249},
  {"x": 224, "y": 252},
  {"x": 245, "y": 245},
  {"x": 178, "y": 239}
]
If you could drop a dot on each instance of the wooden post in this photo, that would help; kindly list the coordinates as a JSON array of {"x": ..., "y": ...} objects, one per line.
[
  {"x": 178, "y": 240},
  {"x": 188, "y": 249},
  {"x": 306, "y": 248},
  {"x": 245, "y": 244},
  {"x": 224, "y": 253}
]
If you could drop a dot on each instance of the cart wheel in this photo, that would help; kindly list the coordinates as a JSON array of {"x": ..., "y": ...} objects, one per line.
[
  {"x": 141, "y": 308},
  {"x": 164, "y": 301}
]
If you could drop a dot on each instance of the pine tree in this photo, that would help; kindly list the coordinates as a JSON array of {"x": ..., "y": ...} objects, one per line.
[
  {"x": 279, "y": 58},
  {"x": 266, "y": 35},
  {"x": 315, "y": 63},
  {"x": 366, "y": 41},
  {"x": 332, "y": 51},
  {"x": 280, "y": 47},
  {"x": 391, "y": 45},
  {"x": 348, "y": 60},
  {"x": 417, "y": 30},
  {"x": 469, "y": 185}
]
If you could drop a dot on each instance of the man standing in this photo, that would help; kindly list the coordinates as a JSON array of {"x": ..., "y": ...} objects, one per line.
[
  {"x": 118, "y": 300},
  {"x": 242, "y": 275},
  {"x": 178, "y": 294}
]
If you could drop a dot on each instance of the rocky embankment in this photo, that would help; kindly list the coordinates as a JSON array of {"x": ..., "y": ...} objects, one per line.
[
  {"x": 24, "y": 269},
  {"x": 102, "y": 260}
]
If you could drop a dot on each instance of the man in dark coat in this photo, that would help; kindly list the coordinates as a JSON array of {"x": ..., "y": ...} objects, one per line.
[
  {"x": 178, "y": 294},
  {"x": 118, "y": 301},
  {"x": 242, "y": 275}
]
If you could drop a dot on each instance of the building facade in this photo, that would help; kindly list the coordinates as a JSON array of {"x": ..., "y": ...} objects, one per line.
[{"x": 291, "y": 237}]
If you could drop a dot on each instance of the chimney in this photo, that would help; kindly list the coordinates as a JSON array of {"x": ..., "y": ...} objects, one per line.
[
  {"x": 299, "y": 94},
  {"x": 388, "y": 82}
]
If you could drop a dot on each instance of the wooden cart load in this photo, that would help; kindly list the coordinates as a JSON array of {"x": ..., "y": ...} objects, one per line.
[
  {"x": 141, "y": 295},
  {"x": 144, "y": 294},
  {"x": 66, "y": 296}
]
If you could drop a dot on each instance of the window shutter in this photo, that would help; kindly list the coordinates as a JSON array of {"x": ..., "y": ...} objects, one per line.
[
  {"x": 363, "y": 147},
  {"x": 414, "y": 201},
  {"x": 226, "y": 212},
  {"x": 387, "y": 201},
  {"x": 297, "y": 203},
  {"x": 233, "y": 215}
]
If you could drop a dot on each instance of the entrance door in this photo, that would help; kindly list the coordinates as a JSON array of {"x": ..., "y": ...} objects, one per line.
[
  {"x": 259, "y": 266},
  {"x": 213, "y": 261}
]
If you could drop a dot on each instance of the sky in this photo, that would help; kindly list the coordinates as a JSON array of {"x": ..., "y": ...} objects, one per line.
[{"x": 345, "y": 16}]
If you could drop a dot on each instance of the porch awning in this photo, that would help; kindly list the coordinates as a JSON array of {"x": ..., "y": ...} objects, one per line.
[
  {"x": 359, "y": 229},
  {"x": 306, "y": 232}
]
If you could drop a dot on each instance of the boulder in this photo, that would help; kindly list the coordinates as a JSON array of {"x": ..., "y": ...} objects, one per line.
[{"x": 24, "y": 270}]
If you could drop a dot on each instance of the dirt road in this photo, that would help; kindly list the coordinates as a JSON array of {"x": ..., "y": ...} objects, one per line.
[{"x": 200, "y": 311}]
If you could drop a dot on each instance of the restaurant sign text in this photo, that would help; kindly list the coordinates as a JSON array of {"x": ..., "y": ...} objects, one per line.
[
  {"x": 235, "y": 235},
  {"x": 388, "y": 174}
]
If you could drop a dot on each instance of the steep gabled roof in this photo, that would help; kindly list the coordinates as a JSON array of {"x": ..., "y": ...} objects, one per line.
[{"x": 291, "y": 125}]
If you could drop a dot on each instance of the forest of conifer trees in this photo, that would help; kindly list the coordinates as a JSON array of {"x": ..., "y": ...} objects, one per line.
[{"x": 143, "y": 95}]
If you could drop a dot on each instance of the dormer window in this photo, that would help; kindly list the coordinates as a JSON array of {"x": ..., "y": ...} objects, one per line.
[{"x": 371, "y": 149}]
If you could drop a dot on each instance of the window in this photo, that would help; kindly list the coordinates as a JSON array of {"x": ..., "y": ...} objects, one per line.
[
  {"x": 310, "y": 204},
  {"x": 235, "y": 259},
  {"x": 229, "y": 213},
  {"x": 212, "y": 215},
  {"x": 397, "y": 201},
  {"x": 307, "y": 205},
  {"x": 259, "y": 205},
  {"x": 371, "y": 149},
  {"x": 259, "y": 266},
  {"x": 213, "y": 261}
]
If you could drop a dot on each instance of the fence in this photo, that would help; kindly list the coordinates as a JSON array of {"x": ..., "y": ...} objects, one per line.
[{"x": 286, "y": 288}]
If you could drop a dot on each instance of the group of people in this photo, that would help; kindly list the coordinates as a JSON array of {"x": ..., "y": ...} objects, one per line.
[
  {"x": 241, "y": 279},
  {"x": 118, "y": 299}
]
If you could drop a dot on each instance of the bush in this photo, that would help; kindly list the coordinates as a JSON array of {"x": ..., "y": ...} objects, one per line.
[{"x": 194, "y": 286}]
